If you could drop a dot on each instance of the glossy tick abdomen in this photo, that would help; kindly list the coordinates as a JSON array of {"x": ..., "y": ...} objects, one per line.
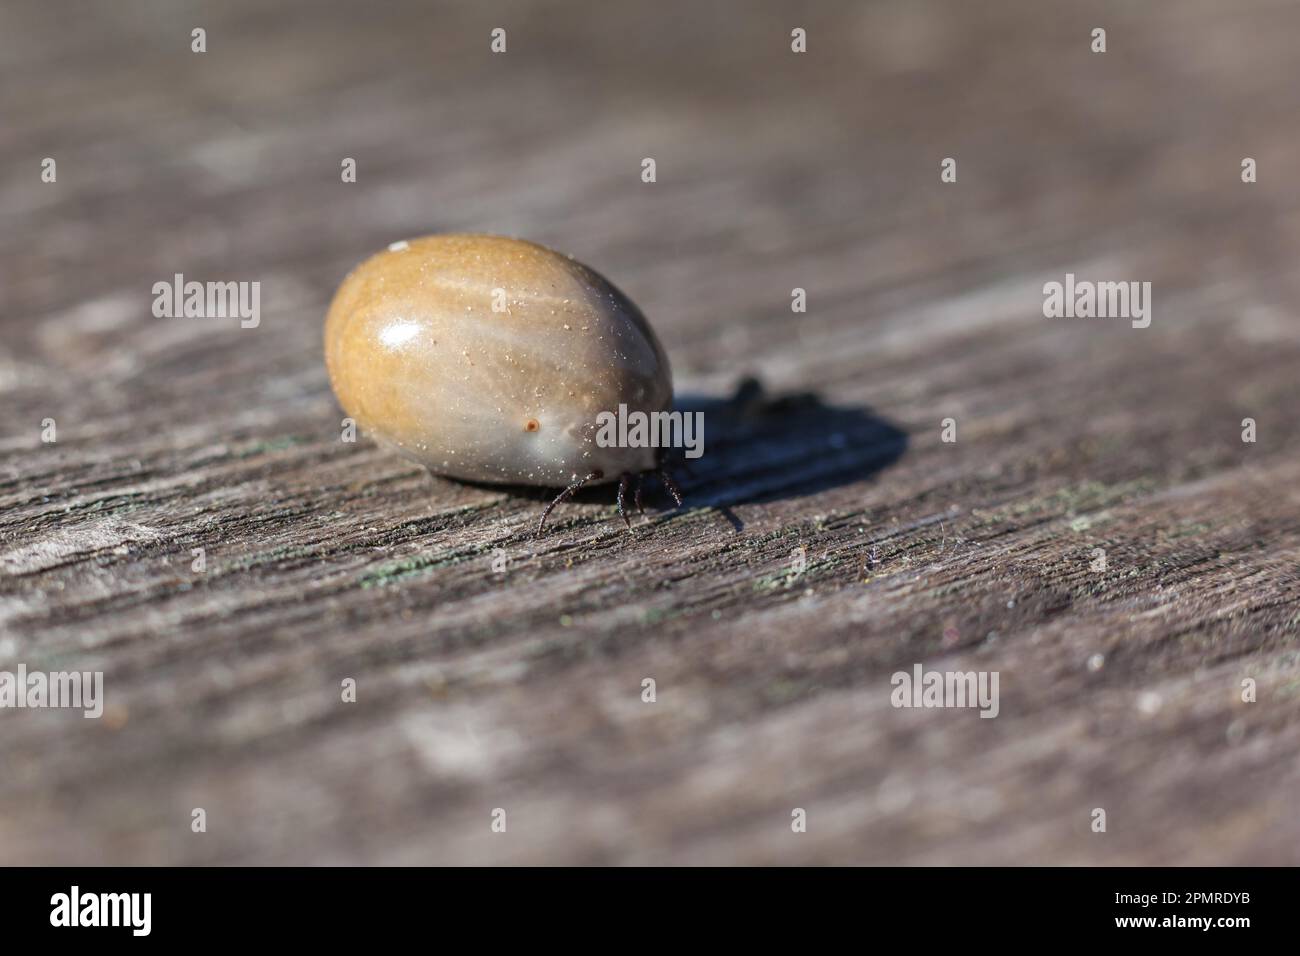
[{"x": 489, "y": 359}]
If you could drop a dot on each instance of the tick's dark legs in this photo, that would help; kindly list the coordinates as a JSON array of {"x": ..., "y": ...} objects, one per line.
[
  {"x": 671, "y": 485},
  {"x": 624, "y": 482},
  {"x": 636, "y": 497},
  {"x": 564, "y": 495},
  {"x": 622, "y": 491}
]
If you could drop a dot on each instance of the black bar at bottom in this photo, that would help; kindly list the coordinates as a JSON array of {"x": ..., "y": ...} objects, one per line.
[{"x": 455, "y": 907}]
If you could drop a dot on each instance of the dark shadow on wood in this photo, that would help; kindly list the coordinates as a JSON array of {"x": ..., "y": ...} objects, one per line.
[{"x": 768, "y": 447}]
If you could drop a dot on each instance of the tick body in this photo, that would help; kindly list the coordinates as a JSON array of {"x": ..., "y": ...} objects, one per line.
[{"x": 489, "y": 359}]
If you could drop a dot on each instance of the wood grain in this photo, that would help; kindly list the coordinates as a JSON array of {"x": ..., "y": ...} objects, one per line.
[{"x": 521, "y": 690}]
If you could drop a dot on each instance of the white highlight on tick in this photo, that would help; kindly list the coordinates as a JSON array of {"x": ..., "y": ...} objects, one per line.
[{"x": 399, "y": 333}]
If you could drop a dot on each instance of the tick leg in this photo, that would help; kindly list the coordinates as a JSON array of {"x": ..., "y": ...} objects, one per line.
[
  {"x": 640, "y": 480},
  {"x": 564, "y": 495},
  {"x": 671, "y": 485},
  {"x": 622, "y": 491}
]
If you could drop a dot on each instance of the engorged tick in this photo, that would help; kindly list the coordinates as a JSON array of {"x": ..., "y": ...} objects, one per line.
[{"x": 424, "y": 354}]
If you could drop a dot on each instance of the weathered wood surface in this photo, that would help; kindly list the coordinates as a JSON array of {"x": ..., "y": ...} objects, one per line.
[{"x": 522, "y": 690}]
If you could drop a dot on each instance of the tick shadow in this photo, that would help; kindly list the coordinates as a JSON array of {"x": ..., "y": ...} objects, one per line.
[{"x": 760, "y": 447}]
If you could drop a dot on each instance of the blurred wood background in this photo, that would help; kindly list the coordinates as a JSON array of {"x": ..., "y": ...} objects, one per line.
[{"x": 1120, "y": 688}]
